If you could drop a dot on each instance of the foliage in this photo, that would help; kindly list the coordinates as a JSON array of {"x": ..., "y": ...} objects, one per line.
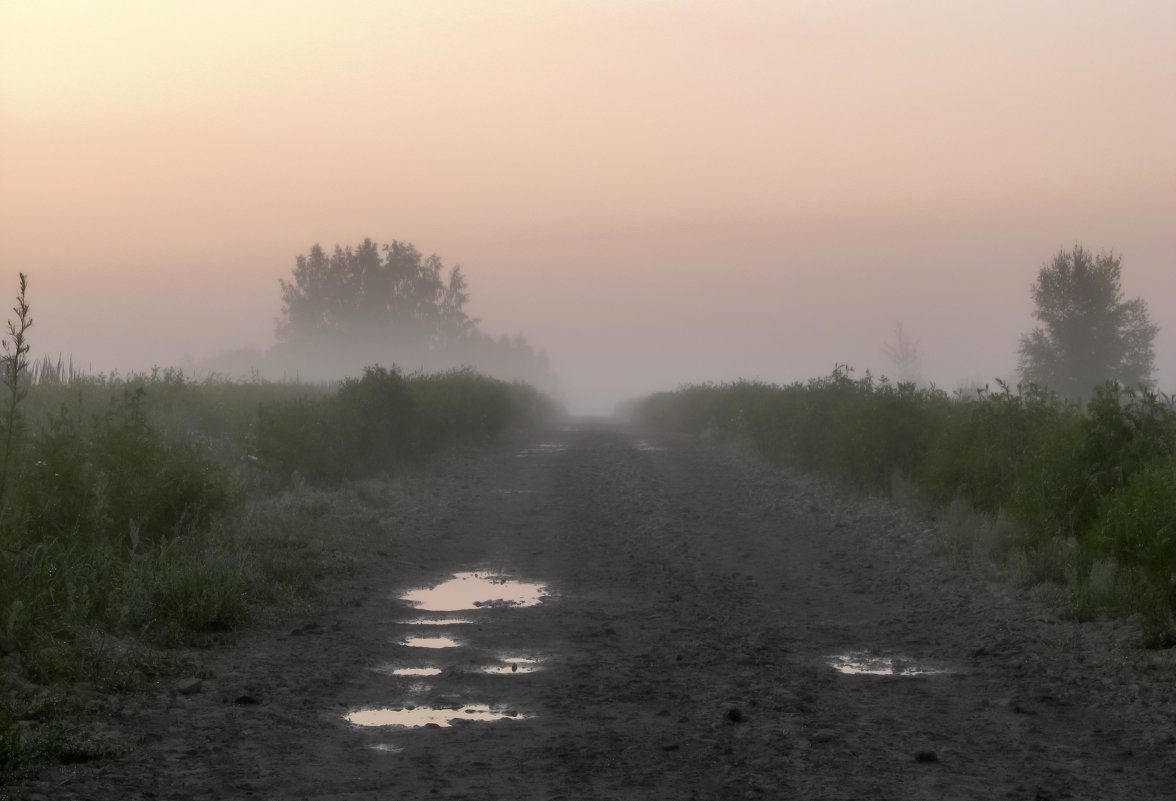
[
  {"x": 384, "y": 422},
  {"x": 358, "y": 295},
  {"x": 1136, "y": 523},
  {"x": 127, "y": 531},
  {"x": 903, "y": 354},
  {"x": 1089, "y": 490},
  {"x": 380, "y": 304},
  {"x": 1089, "y": 333},
  {"x": 13, "y": 366}
]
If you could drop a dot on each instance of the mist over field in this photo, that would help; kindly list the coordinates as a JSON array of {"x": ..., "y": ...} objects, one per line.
[{"x": 648, "y": 193}]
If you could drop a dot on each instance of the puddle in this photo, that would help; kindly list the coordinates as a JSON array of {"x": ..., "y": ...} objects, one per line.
[
  {"x": 513, "y": 666},
  {"x": 387, "y": 748},
  {"x": 513, "y": 492},
  {"x": 648, "y": 447},
  {"x": 404, "y": 716},
  {"x": 475, "y": 591},
  {"x": 429, "y": 642},
  {"x": 407, "y": 671},
  {"x": 542, "y": 448},
  {"x": 436, "y": 621},
  {"x": 861, "y": 664}
]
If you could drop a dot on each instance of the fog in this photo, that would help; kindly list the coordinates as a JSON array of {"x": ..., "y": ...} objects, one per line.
[{"x": 653, "y": 193}]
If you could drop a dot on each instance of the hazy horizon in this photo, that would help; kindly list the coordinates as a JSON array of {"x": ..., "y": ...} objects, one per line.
[{"x": 654, "y": 193}]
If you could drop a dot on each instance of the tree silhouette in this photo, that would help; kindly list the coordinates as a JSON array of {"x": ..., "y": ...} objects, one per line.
[
  {"x": 387, "y": 304},
  {"x": 905, "y": 357},
  {"x": 390, "y": 296},
  {"x": 1089, "y": 333}
]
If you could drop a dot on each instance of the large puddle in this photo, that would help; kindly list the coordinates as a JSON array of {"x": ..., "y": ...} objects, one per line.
[
  {"x": 417, "y": 716},
  {"x": 864, "y": 664},
  {"x": 476, "y": 591}
]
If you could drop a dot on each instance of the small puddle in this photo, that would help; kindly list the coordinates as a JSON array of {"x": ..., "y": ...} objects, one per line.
[
  {"x": 416, "y": 717},
  {"x": 408, "y": 671},
  {"x": 512, "y": 666},
  {"x": 429, "y": 642},
  {"x": 861, "y": 664},
  {"x": 513, "y": 492},
  {"x": 436, "y": 621},
  {"x": 476, "y": 591},
  {"x": 387, "y": 748},
  {"x": 648, "y": 447}
]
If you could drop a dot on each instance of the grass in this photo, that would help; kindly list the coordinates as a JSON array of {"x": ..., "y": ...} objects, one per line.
[
  {"x": 148, "y": 513},
  {"x": 1081, "y": 498}
]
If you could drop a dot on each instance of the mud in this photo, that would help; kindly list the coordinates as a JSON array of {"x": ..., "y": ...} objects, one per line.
[{"x": 697, "y": 613}]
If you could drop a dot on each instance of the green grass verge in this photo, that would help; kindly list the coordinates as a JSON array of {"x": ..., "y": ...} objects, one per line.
[
  {"x": 151, "y": 513},
  {"x": 1089, "y": 492}
]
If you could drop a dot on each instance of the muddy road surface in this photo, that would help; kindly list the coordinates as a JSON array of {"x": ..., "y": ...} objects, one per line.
[{"x": 624, "y": 618}]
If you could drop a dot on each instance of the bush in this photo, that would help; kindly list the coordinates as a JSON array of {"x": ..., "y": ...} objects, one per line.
[
  {"x": 383, "y": 422},
  {"x": 1136, "y": 524}
]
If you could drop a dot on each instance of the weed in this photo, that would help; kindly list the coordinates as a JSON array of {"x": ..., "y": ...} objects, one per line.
[{"x": 13, "y": 366}]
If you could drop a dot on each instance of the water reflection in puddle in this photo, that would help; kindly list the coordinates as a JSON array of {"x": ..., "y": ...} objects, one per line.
[
  {"x": 513, "y": 665},
  {"x": 648, "y": 447},
  {"x": 862, "y": 664},
  {"x": 436, "y": 621},
  {"x": 476, "y": 590},
  {"x": 387, "y": 748},
  {"x": 404, "y": 716},
  {"x": 429, "y": 642},
  {"x": 407, "y": 671}
]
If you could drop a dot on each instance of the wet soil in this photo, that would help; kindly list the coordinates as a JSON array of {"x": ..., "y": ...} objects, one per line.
[{"x": 708, "y": 628}]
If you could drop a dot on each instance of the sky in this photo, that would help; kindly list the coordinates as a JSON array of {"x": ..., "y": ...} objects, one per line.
[{"x": 655, "y": 192}]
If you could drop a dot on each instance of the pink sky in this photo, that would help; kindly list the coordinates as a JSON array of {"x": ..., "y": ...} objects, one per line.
[{"x": 655, "y": 192}]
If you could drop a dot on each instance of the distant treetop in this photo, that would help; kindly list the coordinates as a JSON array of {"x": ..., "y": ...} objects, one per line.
[{"x": 1089, "y": 333}]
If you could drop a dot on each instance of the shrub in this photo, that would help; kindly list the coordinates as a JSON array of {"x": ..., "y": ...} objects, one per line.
[{"x": 1136, "y": 524}]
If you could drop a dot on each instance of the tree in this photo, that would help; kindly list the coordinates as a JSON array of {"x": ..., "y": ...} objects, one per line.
[
  {"x": 1089, "y": 333},
  {"x": 358, "y": 297},
  {"x": 385, "y": 304},
  {"x": 904, "y": 355}
]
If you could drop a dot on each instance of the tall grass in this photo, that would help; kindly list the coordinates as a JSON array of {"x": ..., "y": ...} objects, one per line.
[{"x": 1091, "y": 490}]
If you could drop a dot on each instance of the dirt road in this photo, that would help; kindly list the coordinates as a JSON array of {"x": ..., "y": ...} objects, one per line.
[{"x": 705, "y": 628}]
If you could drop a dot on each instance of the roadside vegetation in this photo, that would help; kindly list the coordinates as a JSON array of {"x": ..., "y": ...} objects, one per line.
[
  {"x": 1076, "y": 467},
  {"x": 1085, "y": 494},
  {"x": 146, "y": 514}
]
